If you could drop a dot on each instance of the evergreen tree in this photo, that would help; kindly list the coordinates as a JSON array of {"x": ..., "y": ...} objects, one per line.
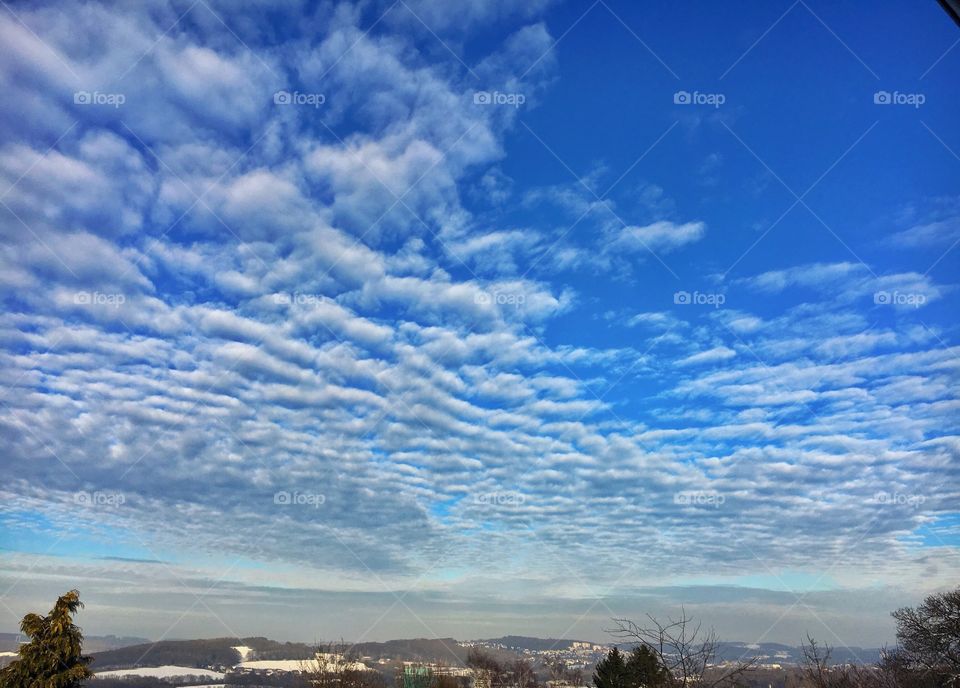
[
  {"x": 611, "y": 671},
  {"x": 644, "y": 670},
  {"x": 52, "y": 658}
]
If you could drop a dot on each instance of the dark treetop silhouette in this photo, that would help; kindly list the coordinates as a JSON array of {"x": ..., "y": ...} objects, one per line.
[{"x": 53, "y": 657}]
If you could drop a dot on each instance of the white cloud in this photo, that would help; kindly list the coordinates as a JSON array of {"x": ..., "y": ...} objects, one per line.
[
  {"x": 714, "y": 355},
  {"x": 662, "y": 236},
  {"x": 331, "y": 317}
]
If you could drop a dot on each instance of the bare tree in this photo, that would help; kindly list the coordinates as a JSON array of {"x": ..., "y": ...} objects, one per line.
[
  {"x": 336, "y": 665},
  {"x": 929, "y": 637},
  {"x": 896, "y": 671},
  {"x": 523, "y": 674},
  {"x": 558, "y": 673},
  {"x": 927, "y": 655},
  {"x": 816, "y": 663},
  {"x": 818, "y": 672},
  {"x": 556, "y": 670},
  {"x": 688, "y": 652},
  {"x": 487, "y": 671}
]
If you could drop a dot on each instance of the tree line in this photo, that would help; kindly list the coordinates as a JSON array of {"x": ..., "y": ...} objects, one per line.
[{"x": 676, "y": 653}]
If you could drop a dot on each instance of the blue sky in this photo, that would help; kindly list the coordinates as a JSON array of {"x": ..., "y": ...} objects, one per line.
[{"x": 391, "y": 320}]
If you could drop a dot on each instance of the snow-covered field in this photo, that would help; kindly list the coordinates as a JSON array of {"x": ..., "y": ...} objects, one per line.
[
  {"x": 244, "y": 652},
  {"x": 168, "y": 671},
  {"x": 275, "y": 664},
  {"x": 298, "y": 664}
]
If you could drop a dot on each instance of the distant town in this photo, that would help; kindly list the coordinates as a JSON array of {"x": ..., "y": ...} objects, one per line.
[
  {"x": 677, "y": 652},
  {"x": 250, "y": 662}
]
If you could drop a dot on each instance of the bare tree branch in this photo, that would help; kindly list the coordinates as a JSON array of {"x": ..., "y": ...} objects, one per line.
[{"x": 687, "y": 651}]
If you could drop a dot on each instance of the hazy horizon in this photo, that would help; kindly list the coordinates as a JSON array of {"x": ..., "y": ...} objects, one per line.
[
  {"x": 406, "y": 318},
  {"x": 277, "y": 625}
]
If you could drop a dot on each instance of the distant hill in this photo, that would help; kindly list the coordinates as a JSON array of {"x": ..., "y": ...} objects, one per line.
[
  {"x": 264, "y": 648},
  {"x": 769, "y": 653},
  {"x": 197, "y": 653},
  {"x": 445, "y": 650},
  {"x": 522, "y": 642},
  {"x": 775, "y": 653},
  {"x": 190, "y": 653},
  {"x": 9, "y": 642},
  {"x": 219, "y": 652}
]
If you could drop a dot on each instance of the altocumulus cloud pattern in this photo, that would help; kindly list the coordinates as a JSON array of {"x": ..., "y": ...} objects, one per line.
[{"x": 428, "y": 318}]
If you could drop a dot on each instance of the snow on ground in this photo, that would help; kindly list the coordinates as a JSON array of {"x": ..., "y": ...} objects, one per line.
[
  {"x": 298, "y": 664},
  {"x": 244, "y": 652},
  {"x": 167, "y": 671},
  {"x": 275, "y": 664},
  {"x": 332, "y": 659}
]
